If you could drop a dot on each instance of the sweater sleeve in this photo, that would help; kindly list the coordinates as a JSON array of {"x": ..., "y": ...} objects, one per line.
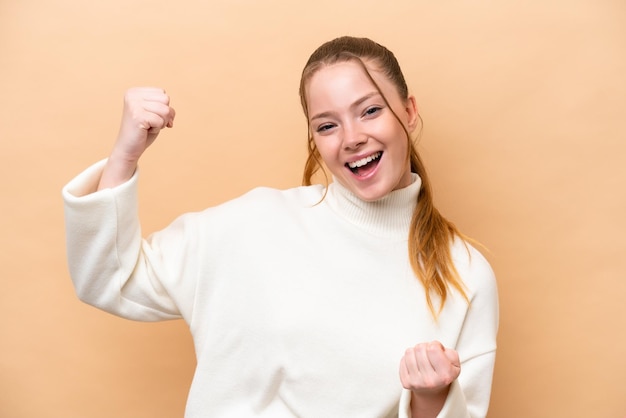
[
  {"x": 111, "y": 266},
  {"x": 469, "y": 395}
]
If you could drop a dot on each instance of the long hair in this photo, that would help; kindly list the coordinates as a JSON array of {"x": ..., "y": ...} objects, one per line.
[{"x": 430, "y": 235}]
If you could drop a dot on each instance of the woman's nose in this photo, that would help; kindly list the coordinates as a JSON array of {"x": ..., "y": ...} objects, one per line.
[{"x": 353, "y": 138}]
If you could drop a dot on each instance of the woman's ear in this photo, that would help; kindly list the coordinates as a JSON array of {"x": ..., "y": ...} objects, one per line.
[{"x": 412, "y": 113}]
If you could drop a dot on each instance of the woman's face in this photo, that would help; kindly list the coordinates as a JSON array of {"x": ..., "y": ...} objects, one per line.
[{"x": 358, "y": 137}]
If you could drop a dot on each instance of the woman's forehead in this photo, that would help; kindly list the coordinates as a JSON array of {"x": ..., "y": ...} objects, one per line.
[
  {"x": 346, "y": 71},
  {"x": 344, "y": 79}
]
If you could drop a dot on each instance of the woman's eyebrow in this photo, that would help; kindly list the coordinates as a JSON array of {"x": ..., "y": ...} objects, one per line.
[{"x": 356, "y": 103}]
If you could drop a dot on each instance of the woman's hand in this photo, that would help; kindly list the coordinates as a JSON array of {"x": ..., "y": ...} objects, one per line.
[
  {"x": 427, "y": 370},
  {"x": 146, "y": 111}
]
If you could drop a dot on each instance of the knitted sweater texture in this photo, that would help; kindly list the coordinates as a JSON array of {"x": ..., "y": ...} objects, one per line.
[{"x": 298, "y": 306}]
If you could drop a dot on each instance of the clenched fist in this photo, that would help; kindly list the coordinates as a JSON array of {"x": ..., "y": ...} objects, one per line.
[
  {"x": 146, "y": 111},
  {"x": 427, "y": 370}
]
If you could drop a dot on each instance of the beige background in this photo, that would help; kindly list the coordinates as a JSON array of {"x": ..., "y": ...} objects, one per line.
[{"x": 525, "y": 113}]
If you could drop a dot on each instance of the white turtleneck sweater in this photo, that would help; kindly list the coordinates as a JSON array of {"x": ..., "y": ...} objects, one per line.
[{"x": 298, "y": 306}]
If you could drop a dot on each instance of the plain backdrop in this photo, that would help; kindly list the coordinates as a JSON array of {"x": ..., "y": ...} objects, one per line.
[{"x": 524, "y": 105}]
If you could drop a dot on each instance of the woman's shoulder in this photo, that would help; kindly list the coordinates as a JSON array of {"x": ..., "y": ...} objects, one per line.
[
  {"x": 263, "y": 201},
  {"x": 304, "y": 195},
  {"x": 261, "y": 208},
  {"x": 473, "y": 267}
]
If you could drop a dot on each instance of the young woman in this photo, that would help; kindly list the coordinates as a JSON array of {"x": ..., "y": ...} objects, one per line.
[{"x": 351, "y": 299}]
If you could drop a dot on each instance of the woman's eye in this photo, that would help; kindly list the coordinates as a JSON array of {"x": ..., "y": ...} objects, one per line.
[
  {"x": 372, "y": 110},
  {"x": 325, "y": 127}
]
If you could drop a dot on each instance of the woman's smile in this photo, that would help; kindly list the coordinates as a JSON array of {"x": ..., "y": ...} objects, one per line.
[{"x": 366, "y": 165}]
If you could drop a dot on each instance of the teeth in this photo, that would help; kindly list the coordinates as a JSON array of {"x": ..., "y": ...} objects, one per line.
[{"x": 363, "y": 161}]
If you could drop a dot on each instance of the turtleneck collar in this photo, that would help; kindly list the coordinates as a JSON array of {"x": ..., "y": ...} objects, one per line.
[{"x": 386, "y": 217}]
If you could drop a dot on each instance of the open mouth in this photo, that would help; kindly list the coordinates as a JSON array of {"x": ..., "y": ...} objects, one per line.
[{"x": 366, "y": 165}]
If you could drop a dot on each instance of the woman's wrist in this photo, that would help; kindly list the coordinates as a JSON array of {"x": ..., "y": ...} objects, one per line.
[
  {"x": 428, "y": 404},
  {"x": 116, "y": 171}
]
